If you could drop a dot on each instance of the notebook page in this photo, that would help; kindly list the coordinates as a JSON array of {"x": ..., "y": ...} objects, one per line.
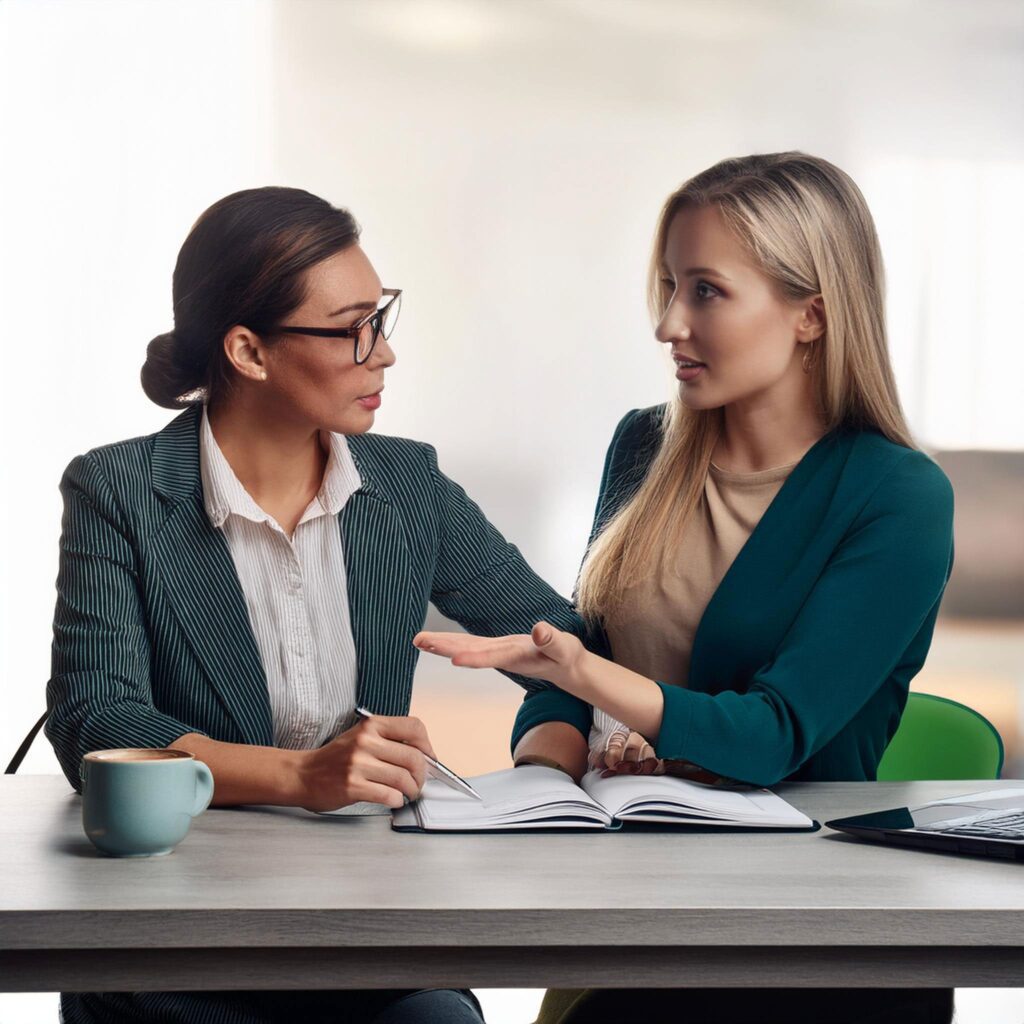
[
  {"x": 631, "y": 797},
  {"x": 511, "y": 797}
]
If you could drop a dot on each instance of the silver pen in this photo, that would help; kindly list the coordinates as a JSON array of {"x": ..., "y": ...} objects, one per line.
[{"x": 436, "y": 770}]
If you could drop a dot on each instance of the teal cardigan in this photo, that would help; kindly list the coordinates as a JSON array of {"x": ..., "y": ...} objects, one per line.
[
  {"x": 151, "y": 634},
  {"x": 802, "y": 660}
]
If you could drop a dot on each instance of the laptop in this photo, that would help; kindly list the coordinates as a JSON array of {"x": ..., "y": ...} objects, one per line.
[{"x": 987, "y": 824}]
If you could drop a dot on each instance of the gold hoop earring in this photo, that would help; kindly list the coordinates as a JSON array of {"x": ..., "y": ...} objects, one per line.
[{"x": 808, "y": 362}]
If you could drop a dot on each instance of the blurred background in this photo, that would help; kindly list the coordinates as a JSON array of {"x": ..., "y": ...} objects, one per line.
[{"x": 507, "y": 161}]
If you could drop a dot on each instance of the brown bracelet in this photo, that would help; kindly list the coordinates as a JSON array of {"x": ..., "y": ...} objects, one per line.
[{"x": 541, "y": 762}]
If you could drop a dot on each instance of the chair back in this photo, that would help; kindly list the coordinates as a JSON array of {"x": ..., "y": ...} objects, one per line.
[
  {"x": 19, "y": 754},
  {"x": 940, "y": 738}
]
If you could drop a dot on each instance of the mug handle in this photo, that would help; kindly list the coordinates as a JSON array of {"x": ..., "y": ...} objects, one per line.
[{"x": 204, "y": 788}]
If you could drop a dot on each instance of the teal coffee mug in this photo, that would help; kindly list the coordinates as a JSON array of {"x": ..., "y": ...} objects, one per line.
[{"x": 139, "y": 802}]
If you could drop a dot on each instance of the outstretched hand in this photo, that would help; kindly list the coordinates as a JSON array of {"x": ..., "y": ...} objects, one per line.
[{"x": 546, "y": 653}]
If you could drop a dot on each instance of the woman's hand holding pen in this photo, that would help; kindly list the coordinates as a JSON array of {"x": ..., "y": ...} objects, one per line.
[{"x": 379, "y": 759}]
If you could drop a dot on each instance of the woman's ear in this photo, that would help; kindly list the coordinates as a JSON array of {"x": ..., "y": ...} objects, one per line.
[
  {"x": 245, "y": 353},
  {"x": 811, "y": 325}
]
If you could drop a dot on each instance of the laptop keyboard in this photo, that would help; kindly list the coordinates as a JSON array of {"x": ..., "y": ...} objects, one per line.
[{"x": 1001, "y": 826}]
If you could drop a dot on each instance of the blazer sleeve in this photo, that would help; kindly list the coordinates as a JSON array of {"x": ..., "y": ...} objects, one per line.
[
  {"x": 99, "y": 693},
  {"x": 878, "y": 593},
  {"x": 484, "y": 583}
]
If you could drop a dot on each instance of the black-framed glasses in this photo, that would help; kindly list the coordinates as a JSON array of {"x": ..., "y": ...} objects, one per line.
[{"x": 365, "y": 332}]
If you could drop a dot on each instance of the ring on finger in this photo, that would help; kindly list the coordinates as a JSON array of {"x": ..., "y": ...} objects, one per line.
[{"x": 620, "y": 741}]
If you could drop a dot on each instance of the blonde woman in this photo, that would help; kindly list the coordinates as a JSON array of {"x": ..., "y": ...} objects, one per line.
[{"x": 769, "y": 548}]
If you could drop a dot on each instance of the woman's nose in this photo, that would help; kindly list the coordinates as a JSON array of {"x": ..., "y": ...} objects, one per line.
[
  {"x": 383, "y": 354},
  {"x": 672, "y": 326}
]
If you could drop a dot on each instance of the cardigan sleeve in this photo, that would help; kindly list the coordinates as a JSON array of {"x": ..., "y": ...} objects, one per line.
[
  {"x": 879, "y": 590},
  {"x": 484, "y": 583},
  {"x": 99, "y": 693}
]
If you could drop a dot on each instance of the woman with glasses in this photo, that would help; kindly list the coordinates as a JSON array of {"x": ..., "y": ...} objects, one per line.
[
  {"x": 238, "y": 583},
  {"x": 770, "y": 548}
]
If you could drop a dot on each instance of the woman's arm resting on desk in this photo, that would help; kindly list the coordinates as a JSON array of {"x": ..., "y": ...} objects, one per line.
[
  {"x": 556, "y": 745},
  {"x": 99, "y": 694},
  {"x": 379, "y": 760}
]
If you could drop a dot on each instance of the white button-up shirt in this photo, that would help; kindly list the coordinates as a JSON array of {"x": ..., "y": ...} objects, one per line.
[{"x": 296, "y": 593}]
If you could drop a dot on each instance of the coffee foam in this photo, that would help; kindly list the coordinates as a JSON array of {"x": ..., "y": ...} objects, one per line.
[{"x": 137, "y": 755}]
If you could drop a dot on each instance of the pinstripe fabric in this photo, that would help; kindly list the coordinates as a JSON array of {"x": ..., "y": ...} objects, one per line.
[
  {"x": 295, "y": 593},
  {"x": 151, "y": 633},
  {"x": 152, "y": 636}
]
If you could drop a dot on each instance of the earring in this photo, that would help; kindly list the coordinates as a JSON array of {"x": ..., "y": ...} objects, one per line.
[
  {"x": 808, "y": 362},
  {"x": 263, "y": 374}
]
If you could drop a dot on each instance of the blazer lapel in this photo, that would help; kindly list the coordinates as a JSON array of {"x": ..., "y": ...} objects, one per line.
[
  {"x": 202, "y": 586},
  {"x": 384, "y": 617}
]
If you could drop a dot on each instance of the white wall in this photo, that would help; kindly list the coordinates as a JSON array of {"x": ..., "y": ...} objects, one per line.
[{"x": 120, "y": 122}]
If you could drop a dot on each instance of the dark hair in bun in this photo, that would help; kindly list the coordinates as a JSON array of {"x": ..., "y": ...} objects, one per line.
[{"x": 243, "y": 262}]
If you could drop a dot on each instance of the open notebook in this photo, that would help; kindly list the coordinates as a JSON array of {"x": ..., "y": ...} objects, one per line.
[{"x": 533, "y": 797}]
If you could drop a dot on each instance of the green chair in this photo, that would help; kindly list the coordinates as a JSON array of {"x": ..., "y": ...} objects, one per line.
[{"x": 938, "y": 738}]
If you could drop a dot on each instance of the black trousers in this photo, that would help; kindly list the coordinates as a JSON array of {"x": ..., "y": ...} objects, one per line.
[
  {"x": 374, "y": 1006},
  {"x": 748, "y": 1006}
]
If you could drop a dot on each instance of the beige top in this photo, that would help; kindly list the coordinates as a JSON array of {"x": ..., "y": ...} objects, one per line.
[{"x": 656, "y": 637}]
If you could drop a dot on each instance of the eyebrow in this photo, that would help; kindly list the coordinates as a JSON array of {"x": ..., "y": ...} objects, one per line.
[
  {"x": 353, "y": 305},
  {"x": 689, "y": 272},
  {"x": 704, "y": 270}
]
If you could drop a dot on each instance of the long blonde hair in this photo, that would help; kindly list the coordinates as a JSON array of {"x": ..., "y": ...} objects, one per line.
[{"x": 807, "y": 226}]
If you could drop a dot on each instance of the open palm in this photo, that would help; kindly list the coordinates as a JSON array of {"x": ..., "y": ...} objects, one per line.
[{"x": 546, "y": 653}]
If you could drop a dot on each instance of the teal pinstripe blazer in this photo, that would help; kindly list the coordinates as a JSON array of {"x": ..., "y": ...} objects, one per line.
[
  {"x": 151, "y": 633},
  {"x": 804, "y": 655}
]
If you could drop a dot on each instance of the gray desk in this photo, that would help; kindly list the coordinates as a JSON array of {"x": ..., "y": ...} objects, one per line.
[{"x": 275, "y": 898}]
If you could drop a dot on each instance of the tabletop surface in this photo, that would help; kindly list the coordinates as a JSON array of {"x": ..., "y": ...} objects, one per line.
[{"x": 283, "y": 877}]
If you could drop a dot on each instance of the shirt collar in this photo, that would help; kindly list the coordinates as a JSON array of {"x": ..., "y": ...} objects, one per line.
[
  {"x": 224, "y": 495},
  {"x": 341, "y": 478}
]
